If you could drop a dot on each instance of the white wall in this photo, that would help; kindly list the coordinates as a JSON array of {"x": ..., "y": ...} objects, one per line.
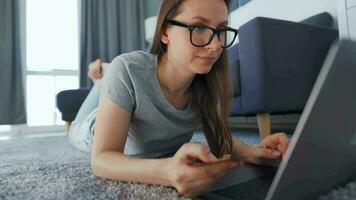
[{"x": 292, "y": 10}]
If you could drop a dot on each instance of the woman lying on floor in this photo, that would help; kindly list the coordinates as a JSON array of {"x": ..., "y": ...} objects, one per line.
[{"x": 138, "y": 119}]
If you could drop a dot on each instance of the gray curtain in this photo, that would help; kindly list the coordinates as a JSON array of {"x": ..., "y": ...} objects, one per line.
[
  {"x": 109, "y": 28},
  {"x": 243, "y": 2},
  {"x": 12, "y": 101},
  {"x": 237, "y": 3}
]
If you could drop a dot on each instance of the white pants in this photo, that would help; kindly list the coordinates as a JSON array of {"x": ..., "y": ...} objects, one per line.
[
  {"x": 81, "y": 131},
  {"x": 80, "y": 135}
]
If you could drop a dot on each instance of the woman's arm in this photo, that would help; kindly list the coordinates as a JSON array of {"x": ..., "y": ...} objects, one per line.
[
  {"x": 108, "y": 160},
  {"x": 117, "y": 166},
  {"x": 180, "y": 171},
  {"x": 240, "y": 150}
]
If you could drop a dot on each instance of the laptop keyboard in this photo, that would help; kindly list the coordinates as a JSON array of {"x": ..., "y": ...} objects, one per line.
[{"x": 255, "y": 189}]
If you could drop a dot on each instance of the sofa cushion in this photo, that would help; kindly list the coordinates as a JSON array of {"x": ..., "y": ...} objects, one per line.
[
  {"x": 277, "y": 77},
  {"x": 236, "y": 107},
  {"x": 322, "y": 19},
  {"x": 69, "y": 102},
  {"x": 234, "y": 68}
]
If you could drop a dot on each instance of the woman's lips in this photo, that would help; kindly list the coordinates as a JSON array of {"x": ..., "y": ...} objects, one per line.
[{"x": 207, "y": 59}]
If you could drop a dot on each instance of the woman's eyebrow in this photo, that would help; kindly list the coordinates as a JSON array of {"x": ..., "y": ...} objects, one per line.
[{"x": 205, "y": 20}]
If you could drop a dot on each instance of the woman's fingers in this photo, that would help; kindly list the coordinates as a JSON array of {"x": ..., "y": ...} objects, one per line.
[
  {"x": 266, "y": 153},
  {"x": 212, "y": 158},
  {"x": 264, "y": 156},
  {"x": 216, "y": 169},
  {"x": 277, "y": 141},
  {"x": 283, "y": 143},
  {"x": 225, "y": 157},
  {"x": 197, "y": 152},
  {"x": 193, "y": 177}
]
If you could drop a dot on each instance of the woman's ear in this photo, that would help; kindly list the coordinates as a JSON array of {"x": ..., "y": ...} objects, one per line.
[{"x": 164, "y": 36}]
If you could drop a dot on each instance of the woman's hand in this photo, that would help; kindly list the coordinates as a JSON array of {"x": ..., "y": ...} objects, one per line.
[
  {"x": 270, "y": 151},
  {"x": 193, "y": 169}
]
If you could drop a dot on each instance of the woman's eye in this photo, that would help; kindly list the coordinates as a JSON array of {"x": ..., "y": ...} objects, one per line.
[{"x": 199, "y": 28}]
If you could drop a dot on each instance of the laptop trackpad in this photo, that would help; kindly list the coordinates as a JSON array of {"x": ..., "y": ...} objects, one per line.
[{"x": 242, "y": 174}]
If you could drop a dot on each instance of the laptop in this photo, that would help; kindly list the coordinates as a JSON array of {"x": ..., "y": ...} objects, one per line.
[{"x": 322, "y": 152}]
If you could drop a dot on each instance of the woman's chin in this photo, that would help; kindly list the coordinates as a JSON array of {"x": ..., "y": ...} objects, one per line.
[{"x": 203, "y": 69}]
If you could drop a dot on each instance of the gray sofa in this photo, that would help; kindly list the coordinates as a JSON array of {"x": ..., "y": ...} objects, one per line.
[{"x": 274, "y": 67}]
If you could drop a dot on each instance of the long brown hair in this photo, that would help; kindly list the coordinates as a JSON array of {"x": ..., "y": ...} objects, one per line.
[{"x": 211, "y": 92}]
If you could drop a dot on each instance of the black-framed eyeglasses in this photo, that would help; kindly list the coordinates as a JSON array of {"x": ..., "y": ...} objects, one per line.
[{"x": 201, "y": 35}]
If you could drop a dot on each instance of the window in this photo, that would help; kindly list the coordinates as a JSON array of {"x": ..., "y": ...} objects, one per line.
[{"x": 52, "y": 56}]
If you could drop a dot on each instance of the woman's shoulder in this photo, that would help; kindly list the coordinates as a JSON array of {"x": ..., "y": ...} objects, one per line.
[
  {"x": 136, "y": 60},
  {"x": 134, "y": 66}
]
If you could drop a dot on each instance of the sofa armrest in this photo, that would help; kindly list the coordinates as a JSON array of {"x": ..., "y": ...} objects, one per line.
[
  {"x": 69, "y": 102},
  {"x": 279, "y": 63},
  {"x": 234, "y": 68}
]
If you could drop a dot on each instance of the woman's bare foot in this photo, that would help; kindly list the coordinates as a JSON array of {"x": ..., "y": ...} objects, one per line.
[
  {"x": 95, "y": 72},
  {"x": 97, "y": 69},
  {"x": 105, "y": 67}
]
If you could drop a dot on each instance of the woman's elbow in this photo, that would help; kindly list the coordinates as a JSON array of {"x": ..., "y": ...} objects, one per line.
[{"x": 94, "y": 165}]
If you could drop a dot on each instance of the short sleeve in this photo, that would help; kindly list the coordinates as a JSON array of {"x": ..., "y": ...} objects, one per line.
[{"x": 117, "y": 85}]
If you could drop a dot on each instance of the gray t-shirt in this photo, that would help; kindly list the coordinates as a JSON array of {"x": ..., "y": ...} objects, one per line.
[{"x": 156, "y": 127}]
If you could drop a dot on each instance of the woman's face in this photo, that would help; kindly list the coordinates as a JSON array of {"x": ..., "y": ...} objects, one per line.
[{"x": 181, "y": 53}]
